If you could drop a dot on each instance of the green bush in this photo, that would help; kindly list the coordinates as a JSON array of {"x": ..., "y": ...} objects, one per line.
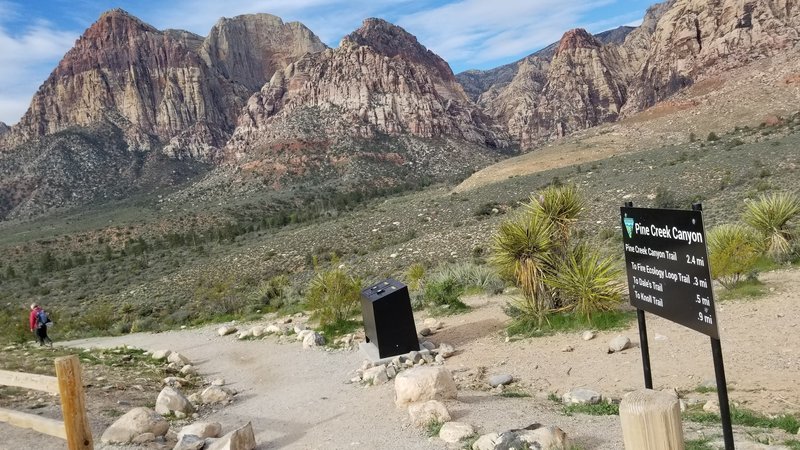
[
  {"x": 771, "y": 215},
  {"x": 333, "y": 295},
  {"x": 734, "y": 250},
  {"x": 472, "y": 277},
  {"x": 587, "y": 283},
  {"x": 444, "y": 292}
]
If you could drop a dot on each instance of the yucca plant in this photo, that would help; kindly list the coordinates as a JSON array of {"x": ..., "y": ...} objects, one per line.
[
  {"x": 562, "y": 205},
  {"x": 770, "y": 216},
  {"x": 586, "y": 282},
  {"x": 333, "y": 295},
  {"x": 522, "y": 253},
  {"x": 733, "y": 250},
  {"x": 415, "y": 274}
]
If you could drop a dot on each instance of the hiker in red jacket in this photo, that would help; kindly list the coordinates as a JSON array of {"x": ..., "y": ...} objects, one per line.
[{"x": 38, "y": 321}]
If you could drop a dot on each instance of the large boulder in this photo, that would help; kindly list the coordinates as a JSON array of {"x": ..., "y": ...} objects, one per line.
[
  {"x": 238, "y": 439},
  {"x": 170, "y": 400},
  {"x": 424, "y": 383},
  {"x": 177, "y": 358},
  {"x": 423, "y": 413},
  {"x": 313, "y": 339},
  {"x": 135, "y": 422},
  {"x": 375, "y": 375},
  {"x": 190, "y": 442}
]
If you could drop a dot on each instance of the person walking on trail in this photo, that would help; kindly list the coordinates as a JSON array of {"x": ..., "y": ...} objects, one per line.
[{"x": 38, "y": 322}]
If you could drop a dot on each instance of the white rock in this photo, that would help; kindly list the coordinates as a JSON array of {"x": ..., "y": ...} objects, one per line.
[
  {"x": 375, "y": 375},
  {"x": 244, "y": 334},
  {"x": 486, "y": 442},
  {"x": 160, "y": 355},
  {"x": 144, "y": 438},
  {"x": 588, "y": 335},
  {"x": 240, "y": 439},
  {"x": 302, "y": 334},
  {"x": 174, "y": 381},
  {"x": 177, "y": 358},
  {"x": 226, "y": 330},
  {"x": 500, "y": 380},
  {"x": 202, "y": 429},
  {"x": 446, "y": 350},
  {"x": 545, "y": 437},
  {"x": 170, "y": 400},
  {"x": 134, "y": 423},
  {"x": 215, "y": 394},
  {"x": 218, "y": 382},
  {"x": 423, "y": 384},
  {"x": 258, "y": 331},
  {"x": 422, "y": 413},
  {"x": 188, "y": 370},
  {"x": 273, "y": 329},
  {"x": 619, "y": 344},
  {"x": 298, "y": 327},
  {"x": 190, "y": 442},
  {"x": 433, "y": 324},
  {"x": 453, "y": 432},
  {"x": 581, "y": 396},
  {"x": 313, "y": 339},
  {"x": 711, "y": 406}
]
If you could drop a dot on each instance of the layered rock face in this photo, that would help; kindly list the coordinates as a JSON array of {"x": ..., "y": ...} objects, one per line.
[
  {"x": 588, "y": 82},
  {"x": 693, "y": 38},
  {"x": 581, "y": 87},
  {"x": 379, "y": 81},
  {"x": 251, "y": 48},
  {"x": 163, "y": 89}
]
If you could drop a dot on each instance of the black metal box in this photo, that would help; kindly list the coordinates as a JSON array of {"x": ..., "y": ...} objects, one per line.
[{"x": 388, "y": 320}]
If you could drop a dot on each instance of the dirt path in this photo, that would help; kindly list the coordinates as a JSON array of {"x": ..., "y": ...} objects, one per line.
[{"x": 300, "y": 399}]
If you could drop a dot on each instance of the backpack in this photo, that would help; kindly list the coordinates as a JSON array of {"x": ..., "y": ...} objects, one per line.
[{"x": 42, "y": 318}]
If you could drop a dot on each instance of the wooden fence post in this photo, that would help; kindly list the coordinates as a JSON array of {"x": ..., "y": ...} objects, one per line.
[
  {"x": 651, "y": 420},
  {"x": 73, "y": 403}
]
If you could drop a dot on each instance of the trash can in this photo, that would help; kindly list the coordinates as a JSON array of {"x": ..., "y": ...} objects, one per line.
[{"x": 388, "y": 319}]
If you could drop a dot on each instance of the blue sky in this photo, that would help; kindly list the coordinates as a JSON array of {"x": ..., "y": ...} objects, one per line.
[{"x": 469, "y": 34}]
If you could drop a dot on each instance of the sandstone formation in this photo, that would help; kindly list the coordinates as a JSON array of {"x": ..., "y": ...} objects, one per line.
[
  {"x": 379, "y": 81},
  {"x": 169, "y": 89},
  {"x": 587, "y": 82}
]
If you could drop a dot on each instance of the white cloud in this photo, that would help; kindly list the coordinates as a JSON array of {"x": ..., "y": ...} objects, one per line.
[
  {"x": 26, "y": 59},
  {"x": 480, "y": 31}
]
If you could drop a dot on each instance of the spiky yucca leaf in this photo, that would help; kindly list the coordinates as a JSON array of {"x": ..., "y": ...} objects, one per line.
[
  {"x": 733, "y": 251},
  {"x": 562, "y": 205},
  {"x": 770, "y": 216},
  {"x": 588, "y": 282},
  {"x": 521, "y": 252}
]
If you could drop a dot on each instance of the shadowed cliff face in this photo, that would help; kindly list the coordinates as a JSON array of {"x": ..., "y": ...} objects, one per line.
[{"x": 166, "y": 89}]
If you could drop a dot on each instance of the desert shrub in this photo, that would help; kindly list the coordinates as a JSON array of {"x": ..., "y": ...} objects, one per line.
[
  {"x": 444, "y": 292},
  {"x": 734, "y": 250},
  {"x": 712, "y": 137},
  {"x": 665, "y": 198},
  {"x": 272, "y": 292},
  {"x": 522, "y": 253},
  {"x": 333, "y": 295},
  {"x": 471, "y": 277},
  {"x": 586, "y": 282},
  {"x": 414, "y": 276},
  {"x": 99, "y": 317},
  {"x": 14, "y": 326},
  {"x": 541, "y": 252},
  {"x": 770, "y": 215}
]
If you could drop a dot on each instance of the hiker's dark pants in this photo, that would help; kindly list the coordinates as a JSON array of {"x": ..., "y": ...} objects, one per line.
[{"x": 41, "y": 335}]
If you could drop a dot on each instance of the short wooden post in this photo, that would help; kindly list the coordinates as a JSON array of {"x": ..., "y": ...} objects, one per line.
[
  {"x": 73, "y": 403},
  {"x": 651, "y": 420}
]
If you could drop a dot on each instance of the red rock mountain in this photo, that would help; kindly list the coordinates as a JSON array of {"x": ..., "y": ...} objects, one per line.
[{"x": 165, "y": 89}]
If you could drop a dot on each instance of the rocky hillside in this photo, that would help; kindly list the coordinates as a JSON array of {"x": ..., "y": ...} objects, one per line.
[
  {"x": 4, "y": 128},
  {"x": 588, "y": 82},
  {"x": 478, "y": 82},
  {"x": 169, "y": 90}
]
